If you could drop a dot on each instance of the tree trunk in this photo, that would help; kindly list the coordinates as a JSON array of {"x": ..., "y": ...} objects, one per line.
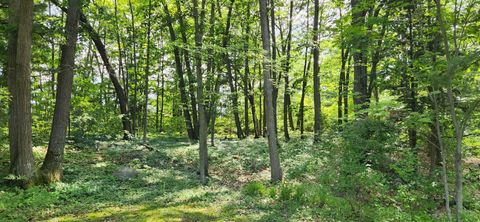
[
  {"x": 147, "y": 73},
  {"x": 275, "y": 169},
  {"x": 273, "y": 67},
  {"x": 181, "y": 80},
  {"x": 316, "y": 73},
  {"x": 203, "y": 124},
  {"x": 228, "y": 63},
  {"x": 135, "y": 71},
  {"x": 51, "y": 170},
  {"x": 119, "y": 91},
  {"x": 188, "y": 66},
  {"x": 306, "y": 68},
  {"x": 18, "y": 72},
  {"x": 359, "y": 44},
  {"x": 287, "y": 109},
  {"x": 247, "y": 72}
]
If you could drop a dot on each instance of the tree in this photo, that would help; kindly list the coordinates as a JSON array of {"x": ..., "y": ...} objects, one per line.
[
  {"x": 179, "y": 71},
  {"x": 359, "y": 48},
  {"x": 275, "y": 169},
  {"x": 203, "y": 124},
  {"x": 147, "y": 71},
  {"x": 51, "y": 170},
  {"x": 316, "y": 72},
  {"x": 18, "y": 72}
]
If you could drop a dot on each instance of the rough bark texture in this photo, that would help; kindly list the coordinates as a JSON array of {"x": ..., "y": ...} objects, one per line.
[
  {"x": 51, "y": 170},
  {"x": 18, "y": 72},
  {"x": 275, "y": 170}
]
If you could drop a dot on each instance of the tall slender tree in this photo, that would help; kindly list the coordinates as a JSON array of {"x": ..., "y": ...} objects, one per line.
[{"x": 275, "y": 169}]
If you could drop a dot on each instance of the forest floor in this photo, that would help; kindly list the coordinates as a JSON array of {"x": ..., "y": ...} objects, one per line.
[
  {"x": 126, "y": 181},
  {"x": 163, "y": 184}
]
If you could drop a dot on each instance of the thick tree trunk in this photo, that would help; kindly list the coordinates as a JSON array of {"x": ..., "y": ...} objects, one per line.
[
  {"x": 275, "y": 169},
  {"x": 18, "y": 72},
  {"x": 359, "y": 44},
  {"x": 51, "y": 170},
  {"x": 119, "y": 91}
]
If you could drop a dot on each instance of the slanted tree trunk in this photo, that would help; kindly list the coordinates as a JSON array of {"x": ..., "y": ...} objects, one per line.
[
  {"x": 51, "y": 170},
  {"x": 275, "y": 169},
  {"x": 119, "y": 91},
  {"x": 188, "y": 67},
  {"x": 179, "y": 70},
  {"x": 316, "y": 74},
  {"x": 18, "y": 72}
]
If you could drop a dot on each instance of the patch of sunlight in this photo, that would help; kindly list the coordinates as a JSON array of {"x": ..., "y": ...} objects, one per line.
[
  {"x": 100, "y": 164},
  {"x": 147, "y": 213}
]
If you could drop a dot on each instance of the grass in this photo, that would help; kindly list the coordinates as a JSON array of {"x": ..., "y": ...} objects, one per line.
[{"x": 167, "y": 187}]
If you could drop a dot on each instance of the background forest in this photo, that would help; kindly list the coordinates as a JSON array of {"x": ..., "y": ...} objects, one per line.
[{"x": 239, "y": 110}]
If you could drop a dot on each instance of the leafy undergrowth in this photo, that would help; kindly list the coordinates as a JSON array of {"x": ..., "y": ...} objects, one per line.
[{"x": 166, "y": 187}]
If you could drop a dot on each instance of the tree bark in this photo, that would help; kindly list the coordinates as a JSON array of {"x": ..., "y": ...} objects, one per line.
[
  {"x": 18, "y": 72},
  {"x": 359, "y": 48},
  {"x": 203, "y": 124},
  {"x": 119, "y": 91},
  {"x": 316, "y": 73},
  {"x": 275, "y": 169},
  {"x": 51, "y": 170},
  {"x": 287, "y": 108}
]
